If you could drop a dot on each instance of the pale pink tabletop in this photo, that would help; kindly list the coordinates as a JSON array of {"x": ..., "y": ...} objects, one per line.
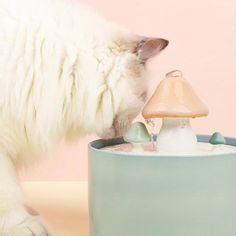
[{"x": 62, "y": 205}]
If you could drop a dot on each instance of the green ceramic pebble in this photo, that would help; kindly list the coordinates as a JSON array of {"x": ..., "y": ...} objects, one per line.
[
  {"x": 217, "y": 138},
  {"x": 137, "y": 133}
]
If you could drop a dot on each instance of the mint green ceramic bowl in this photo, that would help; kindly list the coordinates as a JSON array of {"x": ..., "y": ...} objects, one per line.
[{"x": 139, "y": 195}]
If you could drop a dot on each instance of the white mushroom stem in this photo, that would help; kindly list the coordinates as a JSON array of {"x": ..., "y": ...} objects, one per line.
[
  {"x": 137, "y": 147},
  {"x": 176, "y": 135}
]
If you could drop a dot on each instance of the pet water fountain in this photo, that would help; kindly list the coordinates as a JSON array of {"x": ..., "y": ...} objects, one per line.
[{"x": 174, "y": 183}]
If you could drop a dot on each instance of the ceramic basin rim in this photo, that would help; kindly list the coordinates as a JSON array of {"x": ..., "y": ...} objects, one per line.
[{"x": 113, "y": 154}]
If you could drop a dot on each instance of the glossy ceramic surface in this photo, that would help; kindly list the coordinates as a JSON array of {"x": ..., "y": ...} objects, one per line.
[
  {"x": 138, "y": 195},
  {"x": 174, "y": 97},
  {"x": 137, "y": 133}
]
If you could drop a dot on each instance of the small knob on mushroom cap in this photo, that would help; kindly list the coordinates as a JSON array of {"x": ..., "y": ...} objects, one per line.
[{"x": 174, "y": 73}]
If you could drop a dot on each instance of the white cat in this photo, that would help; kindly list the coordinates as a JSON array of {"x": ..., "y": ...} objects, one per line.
[{"x": 64, "y": 73}]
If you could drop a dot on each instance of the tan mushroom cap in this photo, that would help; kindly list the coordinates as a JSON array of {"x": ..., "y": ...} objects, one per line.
[{"x": 174, "y": 97}]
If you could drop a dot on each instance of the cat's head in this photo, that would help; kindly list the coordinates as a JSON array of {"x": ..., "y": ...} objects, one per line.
[{"x": 123, "y": 84}]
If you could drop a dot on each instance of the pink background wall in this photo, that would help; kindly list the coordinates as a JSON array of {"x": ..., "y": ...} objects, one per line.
[{"x": 202, "y": 37}]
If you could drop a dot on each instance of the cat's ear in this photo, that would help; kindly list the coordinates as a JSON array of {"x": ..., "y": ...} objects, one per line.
[{"x": 149, "y": 47}]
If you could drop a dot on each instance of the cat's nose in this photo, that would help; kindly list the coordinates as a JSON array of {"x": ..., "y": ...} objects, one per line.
[{"x": 108, "y": 134}]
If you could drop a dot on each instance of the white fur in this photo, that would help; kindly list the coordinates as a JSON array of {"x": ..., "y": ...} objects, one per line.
[{"x": 64, "y": 72}]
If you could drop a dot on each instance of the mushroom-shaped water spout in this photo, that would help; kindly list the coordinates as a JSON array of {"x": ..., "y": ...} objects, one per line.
[
  {"x": 217, "y": 138},
  {"x": 175, "y": 102},
  {"x": 137, "y": 134}
]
